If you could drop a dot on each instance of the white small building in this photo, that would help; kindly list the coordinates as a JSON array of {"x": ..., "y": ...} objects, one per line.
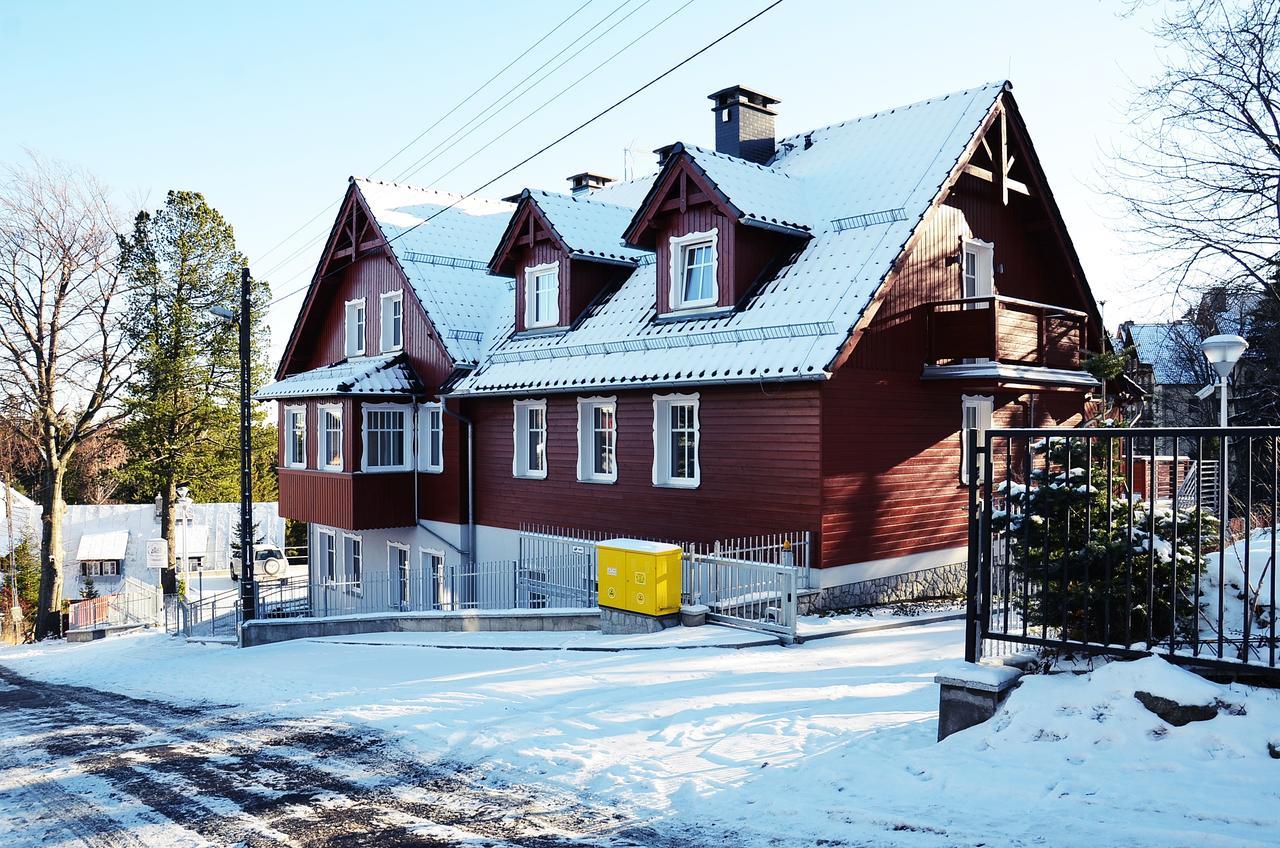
[{"x": 26, "y": 520}]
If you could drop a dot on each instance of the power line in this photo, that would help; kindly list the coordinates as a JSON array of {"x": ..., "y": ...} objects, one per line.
[
  {"x": 432, "y": 126},
  {"x": 597, "y": 116},
  {"x": 471, "y": 125}
]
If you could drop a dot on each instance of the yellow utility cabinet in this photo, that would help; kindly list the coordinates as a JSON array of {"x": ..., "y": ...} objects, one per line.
[{"x": 639, "y": 576}]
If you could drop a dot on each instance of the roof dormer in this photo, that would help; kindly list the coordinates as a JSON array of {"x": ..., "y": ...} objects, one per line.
[
  {"x": 719, "y": 225},
  {"x": 564, "y": 253}
]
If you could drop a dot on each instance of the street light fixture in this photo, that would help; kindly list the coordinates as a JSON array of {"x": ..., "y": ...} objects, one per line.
[
  {"x": 1223, "y": 352},
  {"x": 248, "y": 595}
]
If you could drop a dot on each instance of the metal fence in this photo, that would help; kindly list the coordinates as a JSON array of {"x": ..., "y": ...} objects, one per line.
[
  {"x": 213, "y": 617},
  {"x": 133, "y": 603},
  {"x": 755, "y": 596},
  {"x": 543, "y": 583},
  {"x": 1082, "y": 541}
]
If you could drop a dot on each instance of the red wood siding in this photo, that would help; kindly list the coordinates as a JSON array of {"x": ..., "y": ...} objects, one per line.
[
  {"x": 348, "y": 501},
  {"x": 759, "y": 466}
]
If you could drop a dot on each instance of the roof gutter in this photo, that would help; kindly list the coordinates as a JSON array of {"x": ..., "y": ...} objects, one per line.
[{"x": 643, "y": 386}]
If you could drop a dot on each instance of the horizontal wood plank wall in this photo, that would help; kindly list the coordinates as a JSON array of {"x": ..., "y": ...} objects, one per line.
[
  {"x": 347, "y": 501},
  {"x": 760, "y": 471}
]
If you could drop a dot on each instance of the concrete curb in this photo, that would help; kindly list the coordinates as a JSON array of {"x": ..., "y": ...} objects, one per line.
[
  {"x": 914, "y": 621},
  {"x": 586, "y": 649}
]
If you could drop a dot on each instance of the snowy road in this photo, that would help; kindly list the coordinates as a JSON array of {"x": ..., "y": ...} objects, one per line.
[{"x": 83, "y": 767}]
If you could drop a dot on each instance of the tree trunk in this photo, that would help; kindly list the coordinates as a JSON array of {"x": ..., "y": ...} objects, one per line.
[
  {"x": 49, "y": 610},
  {"x": 169, "y": 576}
]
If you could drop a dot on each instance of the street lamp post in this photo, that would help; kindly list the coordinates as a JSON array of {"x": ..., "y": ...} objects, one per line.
[
  {"x": 1223, "y": 352},
  {"x": 185, "y": 508},
  {"x": 248, "y": 599}
]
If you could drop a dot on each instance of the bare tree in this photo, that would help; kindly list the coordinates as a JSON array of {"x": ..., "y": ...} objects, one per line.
[
  {"x": 1202, "y": 176},
  {"x": 62, "y": 357}
]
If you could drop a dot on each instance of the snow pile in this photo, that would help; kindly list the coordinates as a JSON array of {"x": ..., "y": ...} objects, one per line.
[
  {"x": 828, "y": 743},
  {"x": 1231, "y": 586}
]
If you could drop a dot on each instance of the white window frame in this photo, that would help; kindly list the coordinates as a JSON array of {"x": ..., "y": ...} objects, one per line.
[
  {"x": 355, "y": 316},
  {"x": 679, "y": 246},
  {"x": 427, "y": 431},
  {"x": 531, "y": 275},
  {"x": 984, "y": 276},
  {"x": 322, "y": 432},
  {"x": 354, "y": 578},
  {"x": 403, "y": 584},
  {"x": 520, "y": 465},
  {"x": 662, "y": 441},
  {"x": 289, "y": 461},
  {"x": 385, "y": 344},
  {"x": 984, "y": 409},
  {"x": 407, "y": 465},
  {"x": 328, "y": 568},
  {"x": 586, "y": 439}
]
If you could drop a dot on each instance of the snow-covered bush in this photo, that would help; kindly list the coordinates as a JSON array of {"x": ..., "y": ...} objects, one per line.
[{"x": 1092, "y": 573}]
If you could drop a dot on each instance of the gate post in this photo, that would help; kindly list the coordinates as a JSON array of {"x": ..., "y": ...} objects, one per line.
[{"x": 972, "y": 631}]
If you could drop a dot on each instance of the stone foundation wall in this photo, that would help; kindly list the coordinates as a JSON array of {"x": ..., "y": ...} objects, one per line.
[{"x": 946, "y": 581}]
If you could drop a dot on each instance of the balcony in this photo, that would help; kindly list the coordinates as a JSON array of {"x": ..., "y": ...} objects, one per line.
[
  {"x": 1010, "y": 341},
  {"x": 347, "y": 501}
]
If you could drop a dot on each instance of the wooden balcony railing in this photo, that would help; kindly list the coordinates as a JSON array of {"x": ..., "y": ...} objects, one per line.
[{"x": 1003, "y": 329}]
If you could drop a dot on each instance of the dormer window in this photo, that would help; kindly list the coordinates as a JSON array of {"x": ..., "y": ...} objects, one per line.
[
  {"x": 693, "y": 271},
  {"x": 392, "y": 323},
  {"x": 542, "y": 295},
  {"x": 355, "y": 328}
]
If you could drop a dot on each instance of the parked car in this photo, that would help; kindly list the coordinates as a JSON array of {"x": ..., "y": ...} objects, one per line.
[{"x": 269, "y": 562}]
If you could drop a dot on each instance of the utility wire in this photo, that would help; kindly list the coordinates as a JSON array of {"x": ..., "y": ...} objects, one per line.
[
  {"x": 433, "y": 125},
  {"x": 597, "y": 116}
]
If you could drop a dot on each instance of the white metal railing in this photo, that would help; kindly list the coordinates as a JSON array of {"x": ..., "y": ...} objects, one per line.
[
  {"x": 548, "y": 583},
  {"x": 134, "y": 602},
  {"x": 757, "y": 596}
]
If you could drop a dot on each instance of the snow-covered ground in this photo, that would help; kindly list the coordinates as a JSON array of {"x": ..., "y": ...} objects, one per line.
[{"x": 830, "y": 740}]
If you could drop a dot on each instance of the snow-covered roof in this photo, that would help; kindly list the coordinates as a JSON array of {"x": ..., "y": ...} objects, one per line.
[
  {"x": 589, "y": 227},
  {"x": 861, "y": 186},
  {"x": 366, "y": 375},
  {"x": 98, "y": 546},
  {"x": 762, "y": 194},
  {"x": 446, "y": 258},
  {"x": 1172, "y": 349}
]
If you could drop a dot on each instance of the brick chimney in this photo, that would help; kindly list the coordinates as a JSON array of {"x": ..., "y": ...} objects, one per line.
[
  {"x": 744, "y": 123},
  {"x": 587, "y": 182}
]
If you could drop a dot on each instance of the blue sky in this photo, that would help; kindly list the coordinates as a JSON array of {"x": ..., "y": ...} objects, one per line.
[{"x": 268, "y": 107}]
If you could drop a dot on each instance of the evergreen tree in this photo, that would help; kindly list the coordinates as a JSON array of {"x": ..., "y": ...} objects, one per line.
[
  {"x": 89, "y": 590},
  {"x": 183, "y": 403},
  {"x": 1256, "y": 391}
]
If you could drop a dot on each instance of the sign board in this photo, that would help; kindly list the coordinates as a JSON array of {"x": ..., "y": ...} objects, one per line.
[{"x": 157, "y": 553}]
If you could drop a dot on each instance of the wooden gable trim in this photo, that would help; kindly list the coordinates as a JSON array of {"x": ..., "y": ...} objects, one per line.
[
  {"x": 680, "y": 186},
  {"x": 1001, "y": 110},
  {"x": 527, "y": 226},
  {"x": 343, "y": 224}
]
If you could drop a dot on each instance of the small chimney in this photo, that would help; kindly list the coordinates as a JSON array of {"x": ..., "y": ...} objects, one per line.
[
  {"x": 587, "y": 182},
  {"x": 744, "y": 123}
]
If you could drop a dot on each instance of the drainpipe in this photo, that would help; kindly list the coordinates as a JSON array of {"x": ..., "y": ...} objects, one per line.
[
  {"x": 469, "y": 556},
  {"x": 417, "y": 519}
]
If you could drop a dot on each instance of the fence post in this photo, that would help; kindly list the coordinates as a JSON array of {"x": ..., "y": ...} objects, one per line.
[{"x": 972, "y": 632}]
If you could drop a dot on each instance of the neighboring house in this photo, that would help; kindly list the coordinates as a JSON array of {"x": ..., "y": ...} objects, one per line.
[
  {"x": 25, "y": 520},
  {"x": 109, "y": 542},
  {"x": 769, "y": 336}
]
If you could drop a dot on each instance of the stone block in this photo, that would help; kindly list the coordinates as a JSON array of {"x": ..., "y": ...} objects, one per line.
[{"x": 970, "y": 694}]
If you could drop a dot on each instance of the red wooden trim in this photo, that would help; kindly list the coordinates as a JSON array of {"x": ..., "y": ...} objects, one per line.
[
  {"x": 528, "y": 216},
  {"x": 673, "y": 186}
]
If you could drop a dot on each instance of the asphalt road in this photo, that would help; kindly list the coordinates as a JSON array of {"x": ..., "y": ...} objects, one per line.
[{"x": 83, "y": 767}]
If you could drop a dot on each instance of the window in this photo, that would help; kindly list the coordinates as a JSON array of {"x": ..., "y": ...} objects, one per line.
[
  {"x": 597, "y": 440},
  {"x": 295, "y": 436},
  {"x": 977, "y": 269},
  {"x": 327, "y": 543},
  {"x": 675, "y": 441},
  {"x": 392, "y": 322},
  {"x": 386, "y": 438},
  {"x": 431, "y": 438},
  {"x": 398, "y": 562},
  {"x": 693, "y": 271},
  {"x": 353, "y": 558},
  {"x": 976, "y": 413},
  {"x": 530, "y": 433},
  {"x": 542, "y": 295},
  {"x": 100, "y": 568},
  {"x": 355, "y": 328},
  {"x": 330, "y": 438}
]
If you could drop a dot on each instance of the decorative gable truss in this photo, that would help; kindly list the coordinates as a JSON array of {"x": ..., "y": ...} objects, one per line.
[
  {"x": 550, "y": 248},
  {"x": 713, "y": 250}
]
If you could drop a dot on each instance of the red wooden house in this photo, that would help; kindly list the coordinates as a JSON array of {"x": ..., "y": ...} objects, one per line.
[{"x": 769, "y": 336}]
